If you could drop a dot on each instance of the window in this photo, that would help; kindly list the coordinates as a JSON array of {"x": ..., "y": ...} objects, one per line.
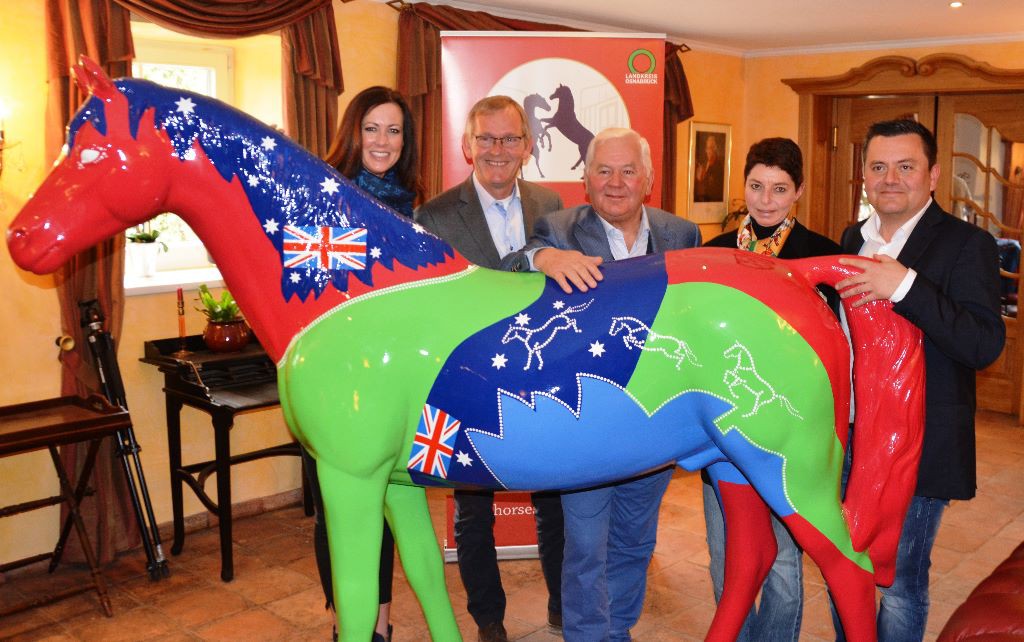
[{"x": 205, "y": 67}]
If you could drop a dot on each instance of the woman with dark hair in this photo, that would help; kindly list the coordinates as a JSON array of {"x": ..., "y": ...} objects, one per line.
[
  {"x": 375, "y": 148},
  {"x": 773, "y": 182}
]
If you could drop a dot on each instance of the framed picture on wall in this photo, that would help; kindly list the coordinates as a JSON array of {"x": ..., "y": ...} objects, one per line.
[{"x": 708, "y": 193}]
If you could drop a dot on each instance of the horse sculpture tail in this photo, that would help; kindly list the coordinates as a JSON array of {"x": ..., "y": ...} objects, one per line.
[{"x": 888, "y": 386}]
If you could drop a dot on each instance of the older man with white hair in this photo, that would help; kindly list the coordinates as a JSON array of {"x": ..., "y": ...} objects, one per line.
[{"x": 610, "y": 530}]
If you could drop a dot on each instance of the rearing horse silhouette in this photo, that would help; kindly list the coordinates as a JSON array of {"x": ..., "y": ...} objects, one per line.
[
  {"x": 565, "y": 121},
  {"x": 531, "y": 104},
  {"x": 383, "y": 403}
]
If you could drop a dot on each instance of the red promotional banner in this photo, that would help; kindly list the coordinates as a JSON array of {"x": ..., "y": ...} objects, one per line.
[
  {"x": 571, "y": 85},
  {"x": 515, "y": 527}
]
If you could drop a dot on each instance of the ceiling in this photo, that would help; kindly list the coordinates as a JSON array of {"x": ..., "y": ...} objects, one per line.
[{"x": 761, "y": 27}]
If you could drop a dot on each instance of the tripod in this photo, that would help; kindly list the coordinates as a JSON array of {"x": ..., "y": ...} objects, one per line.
[{"x": 102, "y": 348}]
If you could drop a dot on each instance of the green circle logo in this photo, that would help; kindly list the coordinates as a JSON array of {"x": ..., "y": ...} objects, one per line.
[{"x": 633, "y": 57}]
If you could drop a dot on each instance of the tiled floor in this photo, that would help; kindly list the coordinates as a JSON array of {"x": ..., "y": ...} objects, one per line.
[{"x": 276, "y": 595}]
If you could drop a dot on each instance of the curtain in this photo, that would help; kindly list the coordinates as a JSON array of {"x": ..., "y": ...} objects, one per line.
[
  {"x": 311, "y": 61},
  {"x": 419, "y": 79},
  {"x": 100, "y": 30}
]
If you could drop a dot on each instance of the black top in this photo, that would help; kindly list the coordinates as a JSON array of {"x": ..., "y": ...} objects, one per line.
[{"x": 800, "y": 244}]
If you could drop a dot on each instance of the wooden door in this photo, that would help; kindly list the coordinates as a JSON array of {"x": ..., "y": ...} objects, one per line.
[
  {"x": 852, "y": 117},
  {"x": 981, "y": 150}
]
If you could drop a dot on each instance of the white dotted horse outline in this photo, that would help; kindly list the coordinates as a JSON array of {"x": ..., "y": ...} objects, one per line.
[
  {"x": 744, "y": 375},
  {"x": 674, "y": 348},
  {"x": 523, "y": 334}
]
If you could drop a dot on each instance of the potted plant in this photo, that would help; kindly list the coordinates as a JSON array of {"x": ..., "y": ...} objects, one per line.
[
  {"x": 226, "y": 329},
  {"x": 142, "y": 249},
  {"x": 738, "y": 209}
]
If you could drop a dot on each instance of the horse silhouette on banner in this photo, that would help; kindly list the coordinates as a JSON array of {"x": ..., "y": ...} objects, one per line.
[{"x": 393, "y": 371}]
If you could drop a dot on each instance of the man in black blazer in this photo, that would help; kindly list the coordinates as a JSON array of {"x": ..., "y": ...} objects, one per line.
[
  {"x": 485, "y": 218},
  {"x": 942, "y": 274}
]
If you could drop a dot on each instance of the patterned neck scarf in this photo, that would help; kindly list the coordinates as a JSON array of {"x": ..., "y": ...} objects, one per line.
[
  {"x": 386, "y": 190},
  {"x": 746, "y": 237}
]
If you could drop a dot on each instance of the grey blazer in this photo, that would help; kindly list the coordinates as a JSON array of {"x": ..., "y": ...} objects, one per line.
[
  {"x": 579, "y": 228},
  {"x": 456, "y": 217}
]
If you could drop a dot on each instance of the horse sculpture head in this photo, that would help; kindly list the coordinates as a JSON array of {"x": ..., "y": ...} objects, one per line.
[{"x": 101, "y": 156}]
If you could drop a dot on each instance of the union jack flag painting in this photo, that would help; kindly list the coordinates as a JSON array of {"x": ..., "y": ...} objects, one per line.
[
  {"x": 433, "y": 444},
  {"x": 325, "y": 248}
]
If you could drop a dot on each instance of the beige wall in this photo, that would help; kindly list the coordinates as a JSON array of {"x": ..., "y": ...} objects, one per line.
[
  {"x": 745, "y": 93},
  {"x": 368, "y": 33},
  {"x": 749, "y": 94}
]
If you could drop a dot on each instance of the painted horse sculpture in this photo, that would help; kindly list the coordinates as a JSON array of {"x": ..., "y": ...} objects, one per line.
[{"x": 401, "y": 364}]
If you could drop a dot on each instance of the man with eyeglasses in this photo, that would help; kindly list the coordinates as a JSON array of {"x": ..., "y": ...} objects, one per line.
[{"x": 485, "y": 218}]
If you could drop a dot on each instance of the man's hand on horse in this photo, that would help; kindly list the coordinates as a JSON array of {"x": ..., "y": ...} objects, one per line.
[
  {"x": 569, "y": 267},
  {"x": 880, "y": 277}
]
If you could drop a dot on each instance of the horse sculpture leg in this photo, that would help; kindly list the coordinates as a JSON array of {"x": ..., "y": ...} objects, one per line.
[
  {"x": 353, "y": 507},
  {"x": 414, "y": 534},
  {"x": 750, "y": 550}
]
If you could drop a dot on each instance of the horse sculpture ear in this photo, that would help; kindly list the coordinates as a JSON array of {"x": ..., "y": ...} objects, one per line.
[{"x": 91, "y": 78}]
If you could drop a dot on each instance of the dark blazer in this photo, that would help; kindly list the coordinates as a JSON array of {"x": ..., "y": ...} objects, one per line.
[
  {"x": 955, "y": 302},
  {"x": 456, "y": 216},
  {"x": 800, "y": 244},
  {"x": 579, "y": 228}
]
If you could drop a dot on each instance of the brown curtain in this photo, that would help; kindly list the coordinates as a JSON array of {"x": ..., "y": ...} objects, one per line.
[
  {"x": 310, "y": 58},
  {"x": 100, "y": 30},
  {"x": 419, "y": 79}
]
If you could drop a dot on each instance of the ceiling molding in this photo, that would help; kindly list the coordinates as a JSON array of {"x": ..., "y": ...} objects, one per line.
[
  {"x": 881, "y": 45},
  {"x": 561, "y": 20},
  {"x": 934, "y": 73}
]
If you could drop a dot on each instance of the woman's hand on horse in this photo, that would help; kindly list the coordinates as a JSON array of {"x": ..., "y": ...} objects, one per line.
[{"x": 569, "y": 267}]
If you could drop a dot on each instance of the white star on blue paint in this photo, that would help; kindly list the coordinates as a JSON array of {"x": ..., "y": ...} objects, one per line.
[
  {"x": 185, "y": 105},
  {"x": 375, "y": 252},
  {"x": 558, "y": 305},
  {"x": 268, "y": 143},
  {"x": 463, "y": 458},
  {"x": 522, "y": 318},
  {"x": 329, "y": 185},
  {"x": 270, "y": 225},
  {"x": 253, "y": 181},
  {"x": 294, "y": 277},
  {"x": 596, "y": 349},
  {"x": 498, "y": 361},
  {"x": 418, "y": 228}
]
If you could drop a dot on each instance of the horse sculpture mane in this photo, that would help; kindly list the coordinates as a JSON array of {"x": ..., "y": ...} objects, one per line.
[{"x": 398, "y": 364}]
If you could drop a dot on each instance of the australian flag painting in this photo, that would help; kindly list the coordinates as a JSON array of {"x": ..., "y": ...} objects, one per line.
[
  {"x": 433, "y": 444},
  {"x": 325, "y": 248}
]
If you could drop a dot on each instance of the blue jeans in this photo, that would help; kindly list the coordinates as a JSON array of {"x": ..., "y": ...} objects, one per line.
[
  {"x": 609, "y": 539},
  {"x": 778, "y": 617},
  {"x": 904, "y": 609}
]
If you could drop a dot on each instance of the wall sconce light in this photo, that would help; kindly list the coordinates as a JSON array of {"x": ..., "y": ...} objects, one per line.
[
  {"x": 3, "y": 137},
  {"x": 2, "y": 142}
]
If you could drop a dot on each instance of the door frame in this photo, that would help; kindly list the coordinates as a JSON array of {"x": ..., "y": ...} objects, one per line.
[{"x": 941, "y": 73}]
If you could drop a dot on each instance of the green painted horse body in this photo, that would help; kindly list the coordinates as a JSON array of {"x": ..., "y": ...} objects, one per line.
[{"x": 401, "y": 364}]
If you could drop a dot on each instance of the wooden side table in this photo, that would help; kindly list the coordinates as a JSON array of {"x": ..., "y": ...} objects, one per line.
[
  {"x": 221, "y": 385},
  {"x": 48, "y": 424}
]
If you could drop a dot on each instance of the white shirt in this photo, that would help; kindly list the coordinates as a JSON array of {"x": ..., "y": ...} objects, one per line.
[
  {"x": 505, "y": 221},
  {"x": 875, "y": 244},
  {"x": 617, "y": 241}
]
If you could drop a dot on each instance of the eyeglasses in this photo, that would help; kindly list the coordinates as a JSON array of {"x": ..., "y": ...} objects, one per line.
[{"x": 507, "y": 142}]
